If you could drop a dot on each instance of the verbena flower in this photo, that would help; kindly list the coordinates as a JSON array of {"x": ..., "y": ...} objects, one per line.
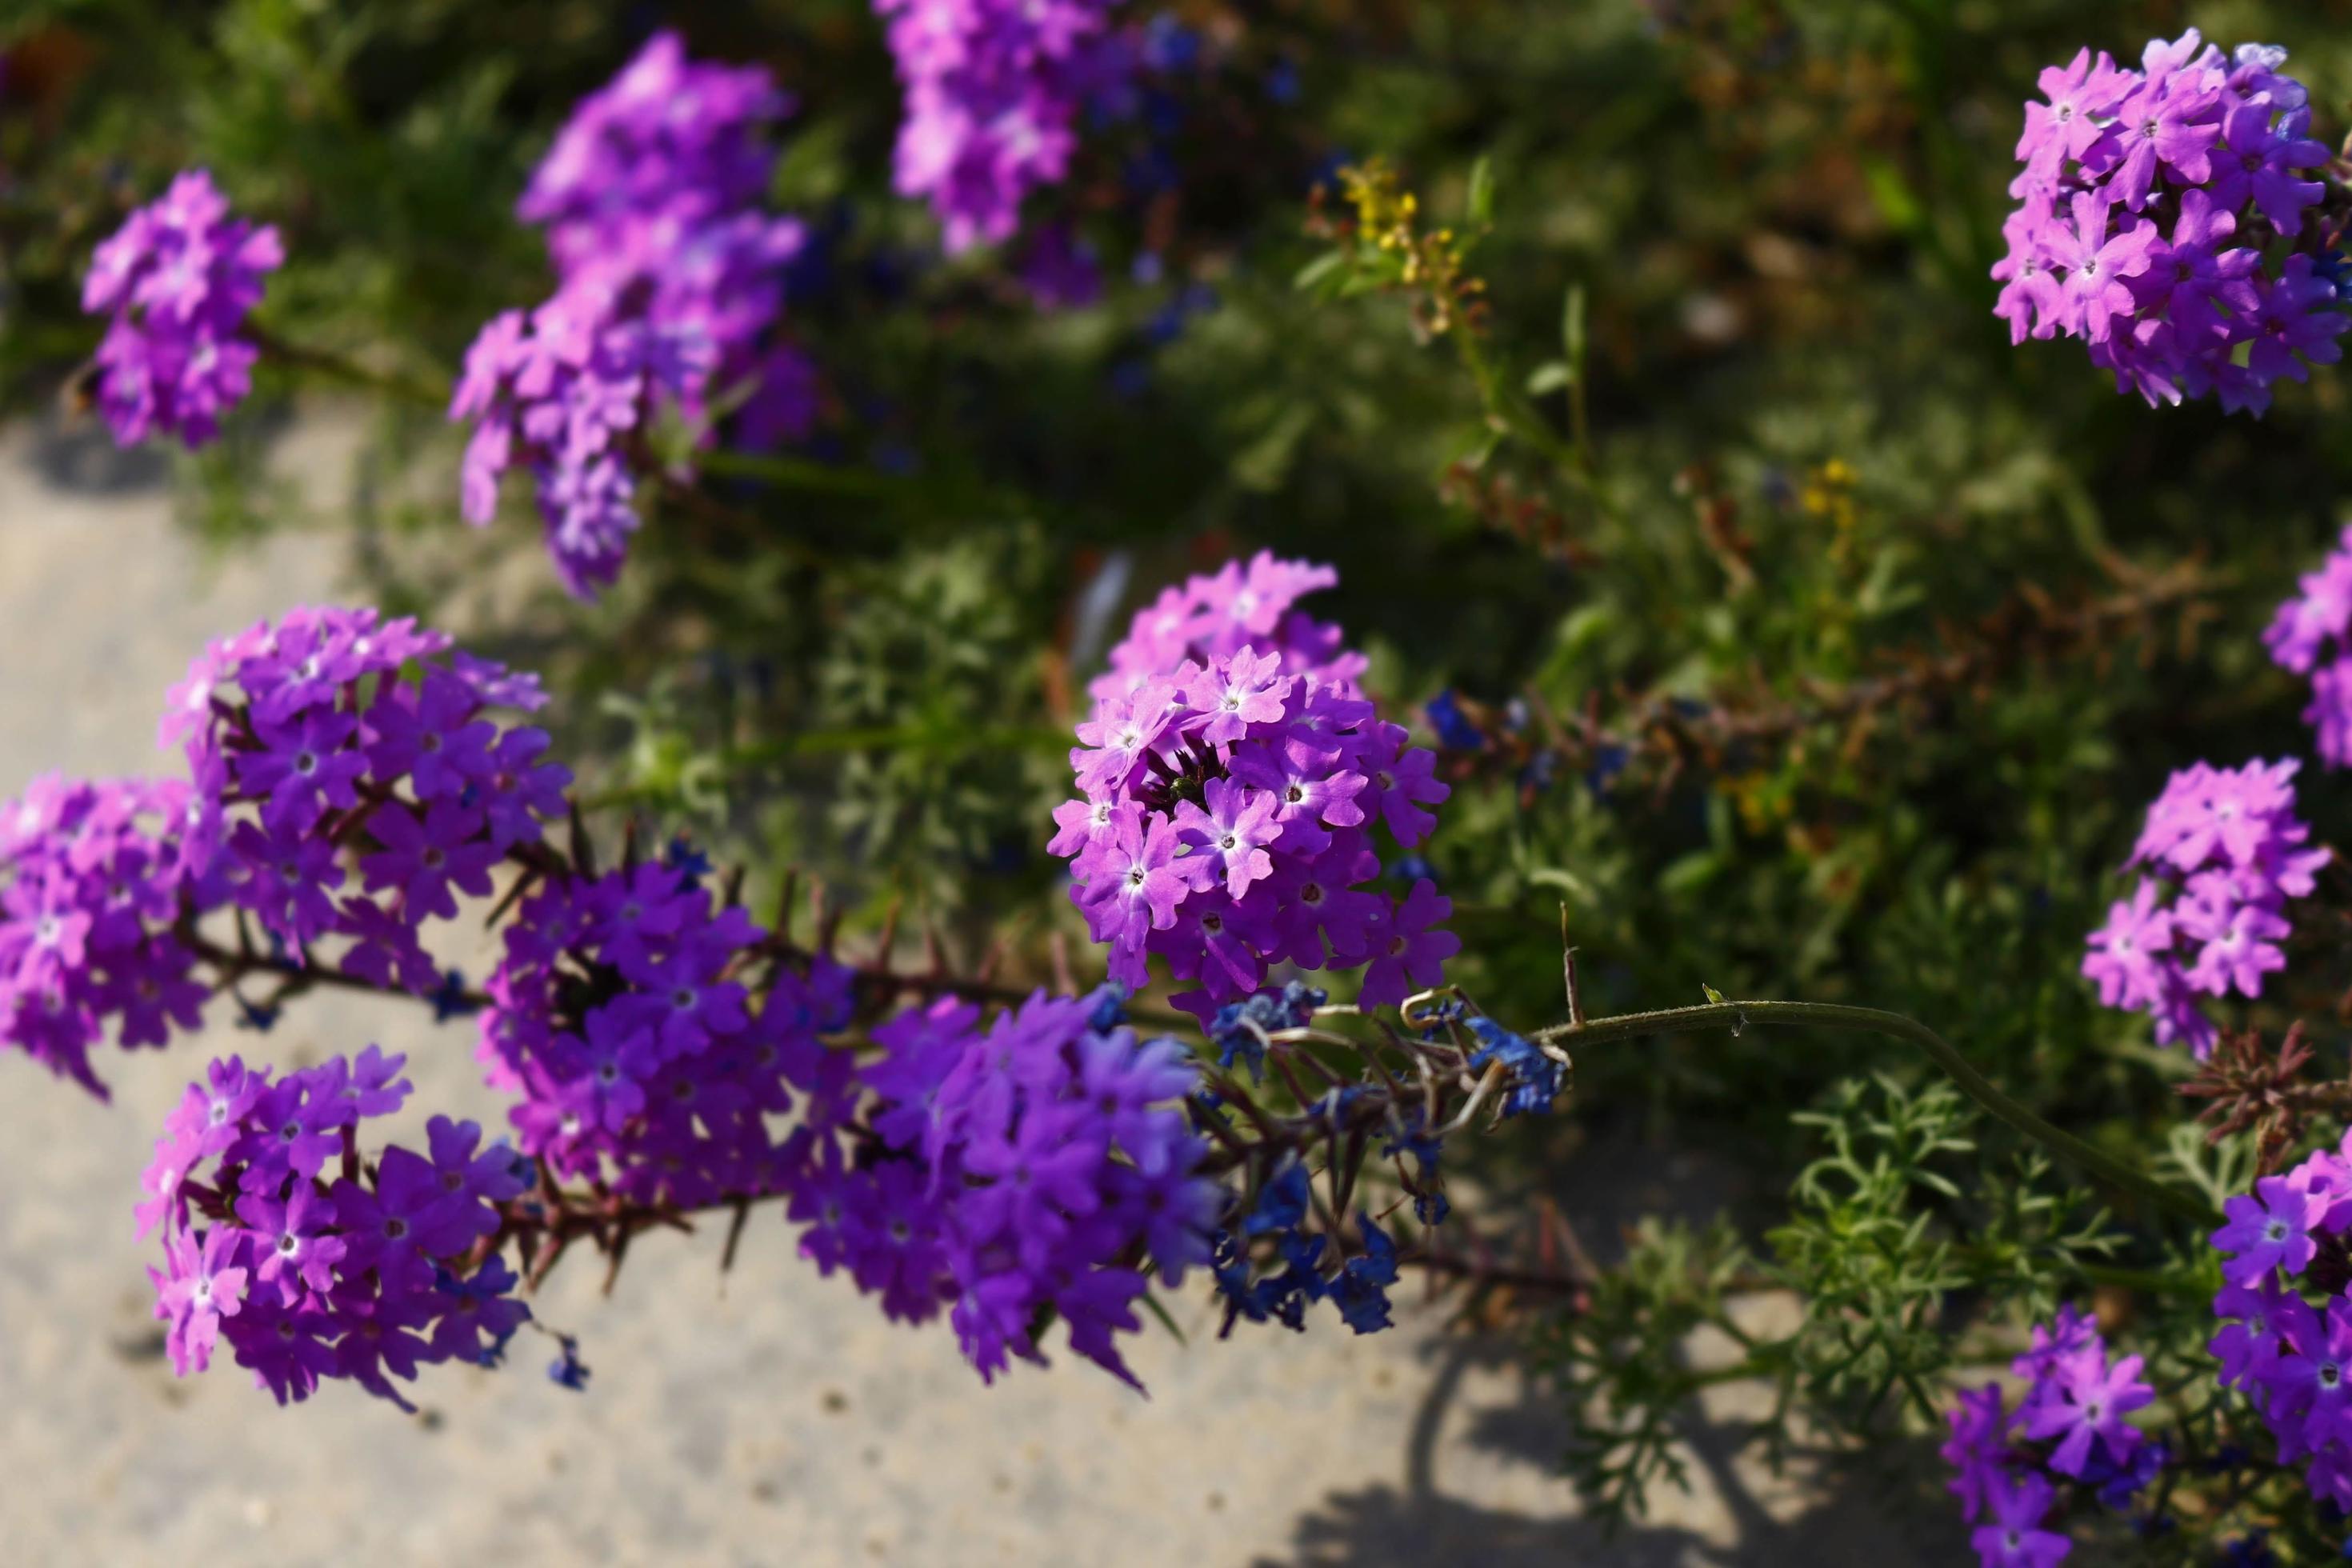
[
  {"x": 354, "y": 784},
  {"x": 94, "y": 877},
  {"x": 1233, "y": 779},
  {"x": 346, "y": 784},
  {"x": 567, "y": 396},
  {"x": 2068, "y": 1425},
  {"x": 2158, "y": 219},
  {"x": 670, "y": 294},
  {"x": 994, "y": 90},
  {"x": 2310, "y": 626},
  {"x": 668, "y": 138},
  {"x": 176, "y": 282},
  {"x": 2223, "y": 852},
  {"x": 2013, "y": 1537},
  {"x": 2286, "y": 1341},
  {"x": 310, "y": 1263},
  {"x": 621, "y": 1017},
  {"x": 1043, "y": 1163}
]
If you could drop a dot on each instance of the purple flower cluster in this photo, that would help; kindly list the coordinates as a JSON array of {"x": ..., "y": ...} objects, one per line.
[
  {"x": 177, "y": 279},
  {"x": 568, "y": 393},
  {"x": 310, "y": 1262},
  {"x": 345, "y": 787},
  {"x": 350, "y": 784},
  {"x": 2223, "y": 853},
  {"x": 2147, "y": 213},
  {"x": 1042, "y": 1167},
  {"x": 670, "y": 286},
  {"x": 621, "y": 1017},
  {"x": 666, "y": 147},
  {"x": 2289, "y": 1356},
  {"x": 1238, "y": 608},
  {"x": 994, "y": 90},
  {"x": 2074, "y": 1402},
  {"x": 1230, "y": 795},
  {"x": 2298, "y": 637},
  {"x": 98, "y": 876}
]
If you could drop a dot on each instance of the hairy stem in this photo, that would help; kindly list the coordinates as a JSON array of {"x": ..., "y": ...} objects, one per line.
[{"x": 1938, "y": 1050}]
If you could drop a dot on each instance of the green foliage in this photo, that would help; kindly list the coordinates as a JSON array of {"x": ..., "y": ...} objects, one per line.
[
  {"x": 1880, "y": 1237},
  {"x": 1619, "y": 1365},
  {"x": 1894, "y": 1223}
]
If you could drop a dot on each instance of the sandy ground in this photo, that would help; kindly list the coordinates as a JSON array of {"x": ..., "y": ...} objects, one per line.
[{"x": 772, "y": 1419}]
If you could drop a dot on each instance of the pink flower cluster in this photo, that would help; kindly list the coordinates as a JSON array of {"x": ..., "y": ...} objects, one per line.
[
  {"x": 2156, "y": 217},
  {"x": 2074, "y": 1401},
  {"x": 671, "y": 289},
  {"x": 177, "y": 280},
  {"x": 623, "y": 1016},
  {"x": 2298, "y": 637},
  {"x": 1232, "y": 778},
  {"x": 2223, "y": 852},
  {"x": 311, "y": 1262},
  {"x": 994, "y": 90},
  {"x": 2274, "y": 1345}
]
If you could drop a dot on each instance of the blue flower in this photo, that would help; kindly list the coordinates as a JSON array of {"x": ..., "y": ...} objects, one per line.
[
  {"x": 1609, "y": 760},
  {"x": 1281, "y": 1203},
  {"x": 1168, "y": 44},
  {"x": 567, "y": 1369},
  {"x": 1429, "y": 1204},
  {"x": 690, "y": 864},
  {"x": 1359, "y": 1292},
  {"x": 2119, "y": 1484},
  {"x": 450, "y": 1001},
  {"x": 1130, "y": 378},
  {"x": 1536, "y": 1079},
  {"x": 1454, "y": 728},
  {"x": 2248, "y": 1551},
  {"x": 1110, "y": 1007},
  {"x": 1281, "y": 1298},
  {"x": 1240, "y": 1028}
]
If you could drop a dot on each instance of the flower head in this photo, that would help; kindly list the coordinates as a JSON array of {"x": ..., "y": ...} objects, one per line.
[
  {"x": 304, "y": 1282},
  {"x": 176, "y": 282},
  {"x": 1231, "y": 776},
  {"x": 2143, "y": 201}
]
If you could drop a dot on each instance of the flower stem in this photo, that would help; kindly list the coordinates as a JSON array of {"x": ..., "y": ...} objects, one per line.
[
  {"x": 1894, "y": 1026},
  {"x": 302, "y": 359}
]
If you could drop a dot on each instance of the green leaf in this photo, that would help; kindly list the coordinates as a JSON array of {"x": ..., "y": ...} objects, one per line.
[
  {"x": 1567, "y": 881},
  {"x": 1552, "y": 376},
  {"x": 1897, "y": 203},
  {"x": 1315, "y": 273},
  {"x": 1482, "y": 191}
]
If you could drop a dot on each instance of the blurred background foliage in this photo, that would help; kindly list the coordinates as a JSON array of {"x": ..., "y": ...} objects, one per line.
[{"x": 1790, "y": 628}]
